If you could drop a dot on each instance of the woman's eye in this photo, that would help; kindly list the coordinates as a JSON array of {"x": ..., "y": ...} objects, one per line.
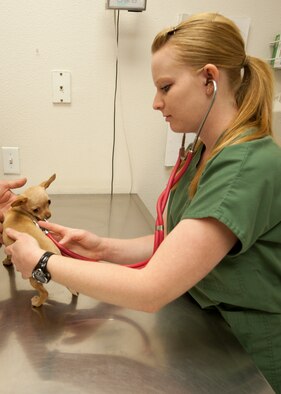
[{"x": 166, "y": 88}]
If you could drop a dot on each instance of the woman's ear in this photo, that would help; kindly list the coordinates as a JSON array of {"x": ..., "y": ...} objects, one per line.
[{"x": 210, "y": 72}]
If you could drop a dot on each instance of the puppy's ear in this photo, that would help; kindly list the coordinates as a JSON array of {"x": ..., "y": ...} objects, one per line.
[
  {"x": 20, "y": 200},
  {"x": 47, "y": 183}
]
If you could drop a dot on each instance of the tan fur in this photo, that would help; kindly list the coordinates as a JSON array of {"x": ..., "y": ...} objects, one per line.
[{"x": 30, "y": 206}]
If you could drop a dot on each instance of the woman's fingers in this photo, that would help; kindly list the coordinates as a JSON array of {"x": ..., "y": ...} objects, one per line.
[
  {"x": 13, "y": 234},
  {"x": 54, "y": 228}
]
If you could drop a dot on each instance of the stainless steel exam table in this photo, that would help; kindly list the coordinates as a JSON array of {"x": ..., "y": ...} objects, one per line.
[{"x": 79, "y": 345}]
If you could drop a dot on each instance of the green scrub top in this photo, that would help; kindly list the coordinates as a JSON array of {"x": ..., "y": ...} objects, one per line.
[{"x": 241, "y": 187}]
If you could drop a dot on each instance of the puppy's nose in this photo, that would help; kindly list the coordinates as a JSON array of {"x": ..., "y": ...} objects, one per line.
[{"x": 48, "y": 215}]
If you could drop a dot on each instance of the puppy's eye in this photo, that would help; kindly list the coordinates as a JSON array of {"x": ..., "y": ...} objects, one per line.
[
  {"x": 49, "y": 202},
  {"x": 36, "y": 210}
]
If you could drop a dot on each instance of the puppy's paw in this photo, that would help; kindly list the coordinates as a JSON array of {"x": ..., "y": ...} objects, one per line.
[
  {"x": 37, "y": 301},
  {"x": 73, "y": 292},
  {"x": 7, "y": 261}
]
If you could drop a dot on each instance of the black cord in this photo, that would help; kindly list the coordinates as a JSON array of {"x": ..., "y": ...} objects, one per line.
[{"x": 114, "y": 105}]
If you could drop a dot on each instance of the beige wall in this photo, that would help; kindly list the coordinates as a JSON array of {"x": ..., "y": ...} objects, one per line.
[{"x": 75, "y": 141}]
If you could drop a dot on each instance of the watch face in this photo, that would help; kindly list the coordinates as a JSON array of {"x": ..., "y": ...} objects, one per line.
[{"x": 39, "y": 275}]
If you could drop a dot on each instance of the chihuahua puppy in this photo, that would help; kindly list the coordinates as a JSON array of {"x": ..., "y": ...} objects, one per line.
[{"x": 23, "y": 215}]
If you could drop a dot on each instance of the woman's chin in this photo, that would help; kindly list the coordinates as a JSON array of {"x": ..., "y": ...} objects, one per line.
[{"x": 177, "y": 130}]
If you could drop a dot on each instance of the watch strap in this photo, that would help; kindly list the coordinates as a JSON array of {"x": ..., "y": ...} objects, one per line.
[{"x": 42, "y": 266}]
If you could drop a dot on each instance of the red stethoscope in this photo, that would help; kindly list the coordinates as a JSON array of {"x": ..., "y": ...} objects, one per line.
[{"x": 179, "y": 169}]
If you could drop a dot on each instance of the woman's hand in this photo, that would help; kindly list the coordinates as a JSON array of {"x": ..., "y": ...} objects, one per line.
[
  {"x": 81, "y": 242},
  {"x": 25, "y": 252},
  {"x": 7, "y": 197}
]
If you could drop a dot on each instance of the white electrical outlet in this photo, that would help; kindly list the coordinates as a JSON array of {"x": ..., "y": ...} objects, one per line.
[
  {"x": 11, "y": 160},
  {"x": 61, "y": 87}
]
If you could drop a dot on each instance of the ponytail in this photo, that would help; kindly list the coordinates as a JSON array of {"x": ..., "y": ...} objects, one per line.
[{"x": 254, "y": 100}]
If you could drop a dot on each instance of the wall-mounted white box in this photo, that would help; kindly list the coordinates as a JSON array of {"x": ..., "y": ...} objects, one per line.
[{"x": 129, "y": 5}]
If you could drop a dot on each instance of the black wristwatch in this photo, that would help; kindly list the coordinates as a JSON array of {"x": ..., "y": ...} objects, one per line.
[{"x": 40, "y": 272}]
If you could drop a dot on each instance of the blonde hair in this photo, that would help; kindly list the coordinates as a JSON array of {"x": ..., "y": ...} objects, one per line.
[{"x": 212, "y": 38}]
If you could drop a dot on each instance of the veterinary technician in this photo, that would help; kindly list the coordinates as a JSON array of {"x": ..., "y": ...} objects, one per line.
[{"x": 223, "y": 242}]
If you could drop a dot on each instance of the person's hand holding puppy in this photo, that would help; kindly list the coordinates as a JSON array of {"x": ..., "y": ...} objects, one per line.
[
  {"x": 7, "y": 197},
  {"x": 25, "y": 252}
]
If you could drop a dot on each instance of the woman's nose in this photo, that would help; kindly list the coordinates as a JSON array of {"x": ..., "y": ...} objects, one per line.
[{"x": 157, "y": 103}]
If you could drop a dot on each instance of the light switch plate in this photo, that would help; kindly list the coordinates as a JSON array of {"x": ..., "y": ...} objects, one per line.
[{"x": 11, "y": 161}]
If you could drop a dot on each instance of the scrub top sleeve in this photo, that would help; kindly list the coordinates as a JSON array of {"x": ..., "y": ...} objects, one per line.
[{"x": 235, "y": 189}]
